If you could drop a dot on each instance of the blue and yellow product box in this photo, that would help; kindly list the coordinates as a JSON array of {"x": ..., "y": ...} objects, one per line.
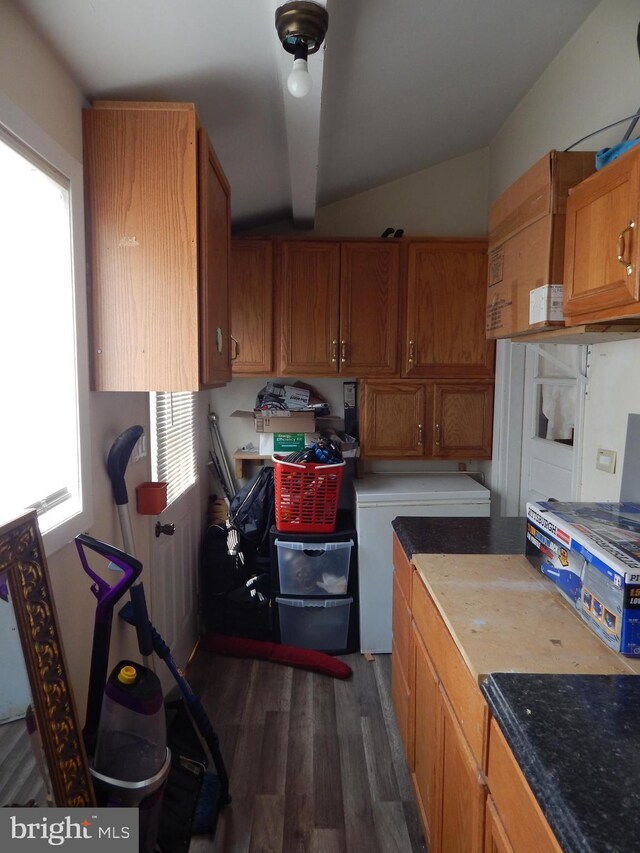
[{"x": 591, "y": 551}]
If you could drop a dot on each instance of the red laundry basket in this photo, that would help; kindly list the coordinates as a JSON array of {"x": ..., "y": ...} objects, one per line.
[{"x": 306, "y": 495}]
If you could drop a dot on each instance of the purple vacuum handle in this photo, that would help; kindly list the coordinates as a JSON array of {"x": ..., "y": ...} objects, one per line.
[{"x": 131, "y": 568}]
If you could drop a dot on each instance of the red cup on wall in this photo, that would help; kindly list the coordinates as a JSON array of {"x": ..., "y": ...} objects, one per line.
[{"x": 151, "y": 498}]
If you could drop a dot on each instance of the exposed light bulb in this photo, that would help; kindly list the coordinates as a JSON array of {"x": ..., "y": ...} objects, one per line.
[{"x": 299, "y": 81}]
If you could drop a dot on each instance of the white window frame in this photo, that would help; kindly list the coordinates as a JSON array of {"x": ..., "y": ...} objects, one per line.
[{"x": 21, "y": 126}]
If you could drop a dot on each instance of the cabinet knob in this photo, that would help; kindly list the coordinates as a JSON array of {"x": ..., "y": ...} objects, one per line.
[
  {"x": 420, "y": 434},
  {"x": 334, "y": 352},
  {"x": 343, "y": 352},
  {"x": 622, "y": 246},
  {"x": 412, "y": 353}
]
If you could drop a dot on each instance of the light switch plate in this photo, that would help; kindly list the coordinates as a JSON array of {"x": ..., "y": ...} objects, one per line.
[{"x": 606, "y": 460}]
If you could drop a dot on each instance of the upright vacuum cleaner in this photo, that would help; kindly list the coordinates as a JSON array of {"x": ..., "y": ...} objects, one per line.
[
  {"x": 125, "y": 730},
  {"x": 192, "y": 796}
]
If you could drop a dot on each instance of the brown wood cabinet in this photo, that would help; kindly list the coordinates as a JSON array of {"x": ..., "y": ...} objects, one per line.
[
  {"x": 602, "y": 245},
  {"x": 337, "y": 307},
  {"x": 495, "y": 836},
  {"x": 445, "y": 307},
  {"x": 520, "y": 815},
  {"x": 449, "y": 739},
  {"x": 251, "y": 296},
  {"x": 431, "y": 420},
  {"x": 158, "y": 222},
  {"x": 446, "y": 777},
  {"x": 462, "y": 789}
]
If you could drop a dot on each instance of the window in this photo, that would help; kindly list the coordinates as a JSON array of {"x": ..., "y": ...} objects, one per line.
[
  {"x": 43, "y": 352},
  {"x": 174, "y": 444}
]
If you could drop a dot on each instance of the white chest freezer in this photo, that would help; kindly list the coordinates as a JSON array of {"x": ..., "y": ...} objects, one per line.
[{"x": 379, "y": 499}]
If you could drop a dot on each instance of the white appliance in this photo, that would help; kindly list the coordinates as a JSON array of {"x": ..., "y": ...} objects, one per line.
[{"x": 379, "y": 499}]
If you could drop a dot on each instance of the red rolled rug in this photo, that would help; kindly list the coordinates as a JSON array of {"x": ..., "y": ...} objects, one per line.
[{"x": 241, "y": 647}]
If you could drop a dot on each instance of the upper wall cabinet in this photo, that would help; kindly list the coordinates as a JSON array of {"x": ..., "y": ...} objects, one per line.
[
  {"x": 337, "y": 307},
  {"x": 445, "y": 310},
  {"x": 602, "y": 249},
  {"x": 158, "y": 219},
  {"x": 251, "y": 294}
]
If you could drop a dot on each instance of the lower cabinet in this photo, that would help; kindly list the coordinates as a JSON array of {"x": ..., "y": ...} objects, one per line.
[
  {"x": 495, "y": 836},
  {"x": 427, "y": 784},
  {"x": 447, "y": 782},
  {"x": 471, "y": 794}
]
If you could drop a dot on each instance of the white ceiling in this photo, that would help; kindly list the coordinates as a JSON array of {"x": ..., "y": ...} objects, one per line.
[{"x": 406, "y": 83}]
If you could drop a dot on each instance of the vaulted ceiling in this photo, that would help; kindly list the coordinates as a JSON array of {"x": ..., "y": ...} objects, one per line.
[{"x": 399, "y": 85}]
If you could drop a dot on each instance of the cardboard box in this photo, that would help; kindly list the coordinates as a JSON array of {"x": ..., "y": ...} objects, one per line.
[
  {"x": 295, "y": 422},
  {"x": 591, "y": 551},
  {"x": 526, "y": 240},
  {"x": 284, "y": 442},
  {"x": 281, "y": 422},
  {"x": 545, "y": 305}
]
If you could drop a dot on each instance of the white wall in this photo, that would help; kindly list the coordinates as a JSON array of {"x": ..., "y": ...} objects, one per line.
[
  {"x": 447, "y": 200},
  {"x": 595, "y": 80}
]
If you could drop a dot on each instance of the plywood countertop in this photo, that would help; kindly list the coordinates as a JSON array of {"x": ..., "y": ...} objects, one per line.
[{"x": 505, "y": 617}]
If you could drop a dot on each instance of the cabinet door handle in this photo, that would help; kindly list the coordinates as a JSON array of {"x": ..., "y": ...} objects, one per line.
[
  {"x": 236, "y": 348},
  {"x": 412, "y": 352},
  {"x": 343, "y": 352},
  {"x": 420, "y": 434},
  {"x": 437, "y": 433},
  {"x": 622, "y": 246},
  {"x": 334, "y": 352}
]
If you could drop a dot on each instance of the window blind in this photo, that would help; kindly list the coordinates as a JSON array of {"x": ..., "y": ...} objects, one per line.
[{"x": 173, "y": 416}]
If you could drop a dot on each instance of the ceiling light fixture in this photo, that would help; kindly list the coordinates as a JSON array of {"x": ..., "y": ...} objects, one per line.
[{"x": 301, "y": 28}]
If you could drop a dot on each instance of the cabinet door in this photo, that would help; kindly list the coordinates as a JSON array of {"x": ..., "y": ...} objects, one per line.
[
  {"x": 393, "y": 419},
  {"x": 251, "y": 294},
  {"x": 369, "y": 290},
  {"x": 602, "y": 245},
  {"x": 140, "y": 169},
  {"x": 495, "y": 837},
  {"x": 461, "y": 426},
  {"x": 215, "y": 233},
  {"x": 445, "y": 310},
  {"x": 463, "y": 791},
  {"x": 426, "y": 776},
  {"x": 308, "y": 307}
]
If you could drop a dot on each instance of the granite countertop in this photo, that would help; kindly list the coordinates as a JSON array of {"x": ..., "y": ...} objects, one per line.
[
  {"x": 424, "y": 535},
  {"x": 577, "y": 741}
]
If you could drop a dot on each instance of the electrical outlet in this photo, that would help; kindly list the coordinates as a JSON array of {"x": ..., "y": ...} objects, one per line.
[
  {"x": 606, "y": 460},
  {"x": 140, "y": 449}
]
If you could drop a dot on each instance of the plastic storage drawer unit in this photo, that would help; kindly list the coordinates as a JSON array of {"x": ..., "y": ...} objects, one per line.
[
  {"x": 313, "y": 568},
  {"x": 312, "y": 623}
]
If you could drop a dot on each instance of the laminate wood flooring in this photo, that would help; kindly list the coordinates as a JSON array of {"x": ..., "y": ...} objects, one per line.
[
  {"x": 315, "y": 763},
  {"x": 20, "y": 779}
]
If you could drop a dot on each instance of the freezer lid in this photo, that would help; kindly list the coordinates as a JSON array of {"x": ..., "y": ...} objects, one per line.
[{"x": 418, "y": 488}]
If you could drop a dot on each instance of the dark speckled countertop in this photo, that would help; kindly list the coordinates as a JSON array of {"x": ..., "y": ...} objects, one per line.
[
  {"x": 460, "y": 535},
  {"x": 577, "y": 741}
]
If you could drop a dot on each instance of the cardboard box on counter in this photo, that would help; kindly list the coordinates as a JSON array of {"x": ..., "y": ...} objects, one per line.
[
  {"x": 279, "y": 422},
  {"x": 526, "y": 240},
  {"x": 285, "y": 442},
  {"x": 591, "y": 551}
]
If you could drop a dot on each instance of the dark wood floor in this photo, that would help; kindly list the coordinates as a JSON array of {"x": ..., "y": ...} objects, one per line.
[
  {"x": 20, "y": 781},
  {"x": 315, "y": 763}
]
